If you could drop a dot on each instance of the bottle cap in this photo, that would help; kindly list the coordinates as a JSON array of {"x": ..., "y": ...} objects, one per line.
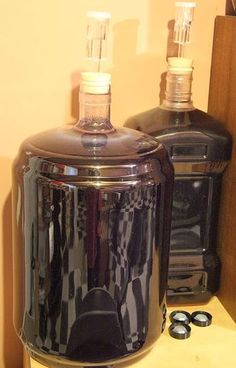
[
  {"x": 95, "y": 83},
  {"x": 179, "y": 331},
  {"x": 180, "y": 316},
  {"x": 201, "y": 318}
]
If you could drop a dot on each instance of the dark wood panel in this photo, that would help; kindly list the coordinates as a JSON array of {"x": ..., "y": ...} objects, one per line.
[{"x": 222, "y": 105}]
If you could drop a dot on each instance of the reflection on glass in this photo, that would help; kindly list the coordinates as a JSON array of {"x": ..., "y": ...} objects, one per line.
[
  {"x": 187, "y": 283},
  {"x": 191, "y": 205}
]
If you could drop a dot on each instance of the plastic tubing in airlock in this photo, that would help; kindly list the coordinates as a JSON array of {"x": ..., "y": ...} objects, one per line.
[{"x": 97, "y": 36}]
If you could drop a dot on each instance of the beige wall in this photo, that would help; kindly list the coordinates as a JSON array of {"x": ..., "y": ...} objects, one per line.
[{"x": 41, "y": 55}]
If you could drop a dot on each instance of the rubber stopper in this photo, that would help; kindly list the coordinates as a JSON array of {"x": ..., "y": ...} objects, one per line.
[
  {"x": 180, "y": 65},
  {"x": 95, "y": 83}
]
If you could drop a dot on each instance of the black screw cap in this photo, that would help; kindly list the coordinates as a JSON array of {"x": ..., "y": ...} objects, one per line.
[
  {"x": 179, "y": 331},
  {"x": 201, "y": 318},
  {"x": 180, "y": 316}
]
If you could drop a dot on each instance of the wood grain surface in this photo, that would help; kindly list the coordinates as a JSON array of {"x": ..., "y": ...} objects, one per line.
[{"x": 222, "y": 105}]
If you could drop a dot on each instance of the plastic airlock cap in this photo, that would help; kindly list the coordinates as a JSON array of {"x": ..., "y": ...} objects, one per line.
[
  {"x": 102, "y": 16},
  {"x": 179, "y": 65},
  {"x": 185, "y": 4},
  {"x": 95, "y": 83}
]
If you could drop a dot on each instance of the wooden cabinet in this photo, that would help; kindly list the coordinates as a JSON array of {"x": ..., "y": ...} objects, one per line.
[{"x": 222, "y": 105}]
